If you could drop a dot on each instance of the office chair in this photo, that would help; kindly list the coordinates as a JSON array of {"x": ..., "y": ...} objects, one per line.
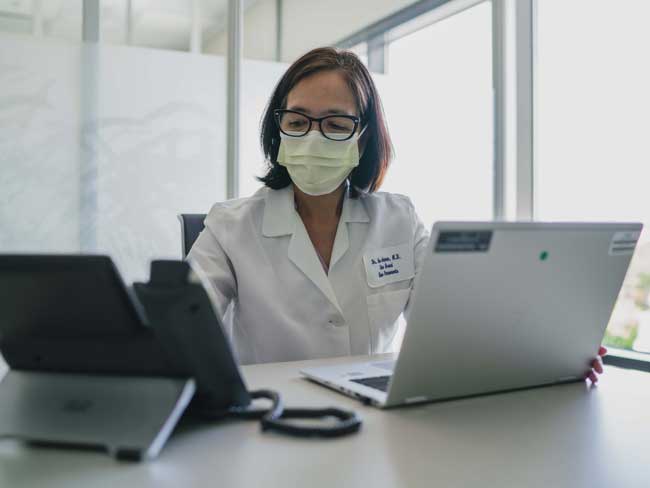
[{"x": 191, "y": 227}]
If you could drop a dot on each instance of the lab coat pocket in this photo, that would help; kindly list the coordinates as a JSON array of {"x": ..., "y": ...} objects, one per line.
[{"x": 383, "y": 311}]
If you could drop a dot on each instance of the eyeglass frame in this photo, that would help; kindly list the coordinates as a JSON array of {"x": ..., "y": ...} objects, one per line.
[{"x": 278, "y": 111}]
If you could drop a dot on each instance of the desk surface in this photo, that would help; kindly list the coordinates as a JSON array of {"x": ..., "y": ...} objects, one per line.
[{"x": 562, "y": 436}]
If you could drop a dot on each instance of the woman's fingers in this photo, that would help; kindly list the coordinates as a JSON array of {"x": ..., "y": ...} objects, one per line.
[
  {"x": 593, "y": 377},
  {"x": 602, "y": 351},
  {"x": 597, "y": 364}
]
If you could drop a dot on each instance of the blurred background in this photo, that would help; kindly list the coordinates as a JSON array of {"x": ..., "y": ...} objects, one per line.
[{"x": 114, "y": 115}]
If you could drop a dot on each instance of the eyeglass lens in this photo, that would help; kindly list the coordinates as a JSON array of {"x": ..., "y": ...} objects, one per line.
[{"x": 332, "y": 127}]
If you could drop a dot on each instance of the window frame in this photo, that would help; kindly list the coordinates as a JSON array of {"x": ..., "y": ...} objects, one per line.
[{"x": 627, "y": 359}]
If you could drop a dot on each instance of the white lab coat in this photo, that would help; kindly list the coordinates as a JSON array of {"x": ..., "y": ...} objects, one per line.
[{"x": 281, "y": 304}]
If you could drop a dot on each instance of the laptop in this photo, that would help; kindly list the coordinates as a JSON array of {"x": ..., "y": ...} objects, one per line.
[{"x": 498, "y": 307}]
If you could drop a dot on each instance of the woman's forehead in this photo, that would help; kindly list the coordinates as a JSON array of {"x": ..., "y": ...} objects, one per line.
[{"x": 322, "y": 93}]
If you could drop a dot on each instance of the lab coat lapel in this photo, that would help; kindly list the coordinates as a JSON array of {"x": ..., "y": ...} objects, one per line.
[
  {"x": 281, "y": 219},
  {"x": 303, "y": 255},
  {"x": 353, "y": 211},
  {"x": 341, "y": 242}
]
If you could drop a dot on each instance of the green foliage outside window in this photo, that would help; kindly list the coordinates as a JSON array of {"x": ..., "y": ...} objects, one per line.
[
  {"x": 643, "y": 289},
  {"x": 622, "y": 342},
  {"x": 626, "y": 339}
]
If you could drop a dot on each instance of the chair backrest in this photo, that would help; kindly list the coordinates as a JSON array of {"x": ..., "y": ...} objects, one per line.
[{"x": 191, "y": 227}]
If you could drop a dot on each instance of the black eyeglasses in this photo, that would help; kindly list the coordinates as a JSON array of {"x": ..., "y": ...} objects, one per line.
[{"x": 334, "y": 127}]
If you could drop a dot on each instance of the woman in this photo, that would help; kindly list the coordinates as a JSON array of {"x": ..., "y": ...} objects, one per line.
[{"x": 295, "y": 259}]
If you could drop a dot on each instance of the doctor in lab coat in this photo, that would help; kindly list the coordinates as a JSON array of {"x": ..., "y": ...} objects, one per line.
[
  {"x": 317, "y": 263},
  {"x": 324, "y": 265}
]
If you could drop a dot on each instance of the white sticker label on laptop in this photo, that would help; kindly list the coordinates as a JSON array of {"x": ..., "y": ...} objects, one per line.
[
  {"x": 623, "y": 243},
  {"x": 465, "y": 241},
  {"x": 389, "y": 265}
]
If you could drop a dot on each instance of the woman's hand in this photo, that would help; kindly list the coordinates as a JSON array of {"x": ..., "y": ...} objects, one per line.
[{"x": 596, "y": 366}]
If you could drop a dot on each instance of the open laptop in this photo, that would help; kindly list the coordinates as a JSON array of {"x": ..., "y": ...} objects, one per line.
[{"x": 498, "y": 307}]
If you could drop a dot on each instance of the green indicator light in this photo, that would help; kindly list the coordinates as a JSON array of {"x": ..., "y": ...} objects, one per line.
[{"x": 543, "y": 256}]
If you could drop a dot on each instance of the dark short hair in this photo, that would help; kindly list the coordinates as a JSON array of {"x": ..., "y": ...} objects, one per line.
[{"x": 373, "y": 164}]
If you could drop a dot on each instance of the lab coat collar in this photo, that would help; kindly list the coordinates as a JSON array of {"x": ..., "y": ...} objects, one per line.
[
  {"x": 278, "y": 213},
  {"x": 354, "y": 209},
  {"x": 280, "y": 208},
  {"x": 281, "y": 218}
]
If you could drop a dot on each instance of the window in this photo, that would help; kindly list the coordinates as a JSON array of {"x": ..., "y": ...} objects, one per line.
[
  {"x": 437, "y": 95},
  {"x": 592, "y": 160}
]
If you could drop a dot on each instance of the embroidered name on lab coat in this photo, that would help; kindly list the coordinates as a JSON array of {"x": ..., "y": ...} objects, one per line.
[{"x": 389, "y": 265}]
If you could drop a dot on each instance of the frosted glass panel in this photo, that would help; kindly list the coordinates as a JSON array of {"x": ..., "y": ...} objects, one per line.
[
  {"x": 42, "y": 18},
  {"x": 258, "y": 81},
  {"x": 101, "y": 147},
  {"x": 39, "y": 146}
]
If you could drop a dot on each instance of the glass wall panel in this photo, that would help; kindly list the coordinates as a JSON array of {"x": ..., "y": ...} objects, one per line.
[
  {"x": 160, "y": 24},
  {"x": 51, "y": 19},
  {"x": 258, "y": 81},
  {"x": 592, "y": 150},
  {"x": 168, "y": 24},
  {"x": 40, "y": 160},
  {"x": 284, "y": 30},
  {"x": 310, "y": 24},
  {"x": 102, "y": 146}
]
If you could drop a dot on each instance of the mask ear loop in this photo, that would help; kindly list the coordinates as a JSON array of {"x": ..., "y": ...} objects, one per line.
[
  {"x": 358, "y": 138},
  {"x": 348, "y": 180},
  {"x": 361, "y": 152}
]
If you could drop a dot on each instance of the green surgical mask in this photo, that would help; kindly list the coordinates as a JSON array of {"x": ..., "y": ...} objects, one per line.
[{"x": 318, "y": 165}]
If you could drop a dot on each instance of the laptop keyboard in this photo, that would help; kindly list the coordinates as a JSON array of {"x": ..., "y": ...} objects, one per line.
[{"x": 377, "y": 382}]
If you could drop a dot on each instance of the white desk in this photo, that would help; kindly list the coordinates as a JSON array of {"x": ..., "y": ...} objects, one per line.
[{"x": 565, "y": 436}]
